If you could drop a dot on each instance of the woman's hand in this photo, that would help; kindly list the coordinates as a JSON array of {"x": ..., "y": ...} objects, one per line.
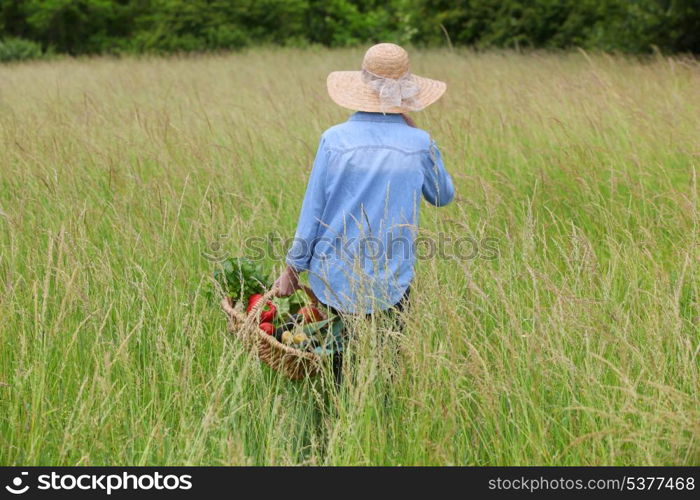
[
  {"x": 409, "y": 120},
  {"x": 287, "y": 283}
]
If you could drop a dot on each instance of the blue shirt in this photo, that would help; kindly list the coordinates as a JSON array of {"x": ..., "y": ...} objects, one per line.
[{"x": 359, "y": 218}]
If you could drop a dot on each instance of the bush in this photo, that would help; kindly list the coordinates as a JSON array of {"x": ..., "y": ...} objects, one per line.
[{"x": 16, "y": 49}]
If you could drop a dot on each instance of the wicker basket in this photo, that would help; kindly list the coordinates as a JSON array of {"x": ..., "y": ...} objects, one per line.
[{"x": 294, "y": 363}]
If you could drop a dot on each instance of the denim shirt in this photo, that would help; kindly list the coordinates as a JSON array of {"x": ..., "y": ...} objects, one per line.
[{"x": 359, "y": 218}]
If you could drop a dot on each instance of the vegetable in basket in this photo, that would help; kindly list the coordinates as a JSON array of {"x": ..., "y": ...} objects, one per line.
[
  {"x": 299, "y": 337},
  {"x": 310, "y": 314},
  {"x": 267, "y": 328},
  {"x": 288, "y": 307},
  {"x": 240, "y": 278},
  {"x": 269, "y": 310}
]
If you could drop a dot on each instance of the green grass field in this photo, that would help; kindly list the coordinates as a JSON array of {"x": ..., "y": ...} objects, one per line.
[{"x": 578, "y": 345}]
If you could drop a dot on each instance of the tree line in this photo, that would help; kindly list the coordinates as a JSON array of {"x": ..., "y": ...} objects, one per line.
[{"x": 138, "y": 26}]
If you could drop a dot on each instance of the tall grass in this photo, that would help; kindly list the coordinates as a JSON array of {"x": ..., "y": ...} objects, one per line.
[{"x": 577, "y": 345}]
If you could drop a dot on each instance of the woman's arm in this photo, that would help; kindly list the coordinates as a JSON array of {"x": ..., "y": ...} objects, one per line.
[
  {"x": 287, "y": 283},
  {"x": 437, "y": 183},
  {"x": 300, "y": 254},
  {"x": 437, "y": 186}
]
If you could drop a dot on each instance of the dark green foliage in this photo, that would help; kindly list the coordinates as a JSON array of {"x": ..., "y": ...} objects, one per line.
[
  {"x": 626, "y": 25},
  {"x": 109, "y": 26},
  {"x": 70, "y": 26},
  {"x": 16, "y": 49}
]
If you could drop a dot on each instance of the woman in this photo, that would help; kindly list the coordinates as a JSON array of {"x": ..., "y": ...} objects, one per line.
[{"x": 359, "y": 218}]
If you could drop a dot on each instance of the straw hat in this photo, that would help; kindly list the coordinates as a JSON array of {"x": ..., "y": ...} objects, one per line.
[{"x": 385, "y": 84}]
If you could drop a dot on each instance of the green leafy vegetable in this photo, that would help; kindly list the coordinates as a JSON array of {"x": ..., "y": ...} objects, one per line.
[
  {"x": 328, "y": 335},
  {"x": 240, "y": 278},
  {"x": 311, "y": 328},
  {"x": 288, "y": 306}
]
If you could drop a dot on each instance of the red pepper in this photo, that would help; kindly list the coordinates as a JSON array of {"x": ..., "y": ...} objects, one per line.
[
  {"x": 269, "y": 311},
  {"x": 252, "y": 300},
  {"x": 310, "y": 314},
  {"x": 268, "y": 328}
]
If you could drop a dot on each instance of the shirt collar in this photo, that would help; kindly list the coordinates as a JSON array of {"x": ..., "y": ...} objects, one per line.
[{"x": 365, "y": 116}]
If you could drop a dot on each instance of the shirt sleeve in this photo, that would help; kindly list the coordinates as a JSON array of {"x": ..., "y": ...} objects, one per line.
[
  {"x": 301, "y": 251},
  {"x": 438, "y": 189}
]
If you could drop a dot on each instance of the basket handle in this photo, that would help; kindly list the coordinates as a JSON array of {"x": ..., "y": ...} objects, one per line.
[
  {"x": 257, "y": 308},
  {"x": 253, "y": 317},
  {"x": 227, "y": 306}
]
